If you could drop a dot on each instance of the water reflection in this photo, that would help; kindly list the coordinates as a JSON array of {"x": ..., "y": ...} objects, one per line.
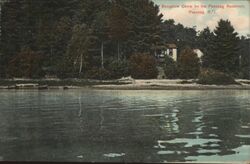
[{"x": 125, "y": 126}]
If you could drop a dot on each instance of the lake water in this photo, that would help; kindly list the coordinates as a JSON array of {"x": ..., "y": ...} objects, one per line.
[{"x": 124, "y": 126}]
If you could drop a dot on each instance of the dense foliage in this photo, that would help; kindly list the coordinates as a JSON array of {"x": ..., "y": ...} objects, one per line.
[
  {"x": 224, "y": 53},
  {"x": 25, "y": 64},
  {"x": 143, "y": 66},
  {"x": 118, "y": 68},
  {"x": 170, "y": 68},
  {"x": 188, "y": 64},
  {"x": 88, "y": 38},
  {"x": 211, "y": 76},
  {"x": 76, "y": 35}
]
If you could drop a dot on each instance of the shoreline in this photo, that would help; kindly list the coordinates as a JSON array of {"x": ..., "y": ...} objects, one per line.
[
  {"x": 120, "y": 84},
  {"x": 173, "y": 87}
]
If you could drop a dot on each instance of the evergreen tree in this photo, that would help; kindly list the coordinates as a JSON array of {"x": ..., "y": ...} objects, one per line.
[
  {"x": 178, "y": 34},
  {"x": 145, "y": 20},
  {"x": 118, "y": 25},
  {"x": 11, "y": 23},
  {"x": 205, "y": 40},
  {"x": 225, "y": 50},
  {"x": 25, "y": 25},
  {"x": 245, "y": 58}
]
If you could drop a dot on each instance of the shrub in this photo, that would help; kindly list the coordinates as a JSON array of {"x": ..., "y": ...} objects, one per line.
[
  {"x": 211, "y": 76},
  {"x": 143, "y": 66},
  {"x": 170, "y": 68},
  {"x": 188, "y": 64},
  {"x": 98, "y": 74},
  {"x": 118, "y": 69},
  {"x": 65, "y": 69},
  {"x": 26, "y": 64}
]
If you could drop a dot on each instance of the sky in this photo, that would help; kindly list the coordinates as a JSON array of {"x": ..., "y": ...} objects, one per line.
[{"x": 237, "y": 11}]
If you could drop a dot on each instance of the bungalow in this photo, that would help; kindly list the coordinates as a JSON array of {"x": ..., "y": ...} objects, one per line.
[{"x": 171, "y": 51}]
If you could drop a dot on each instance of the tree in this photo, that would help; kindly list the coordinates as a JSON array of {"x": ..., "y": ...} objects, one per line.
[
  {"x": 27, "y": 64},
  {"x": 118, "y": 68},
  {"x": 143, "y": 26},
  {"x": 205, "y": 40},
  {"x": 77, "y": 52},
  {"x": 178, "y": 34},
  {"x": 188, "y": 64},
  {"x": 11, "y": 23},
  {"x": 94, "y": 14},
  {"x": 244, "y": 58},
  {"x": 170, "y": 68},
  {"x": 24, "y": 24},
  {"x": 118, "y": 25},
  {"x": 146, "y": 22},
  {"x": 101, "y": 31},
  {"x": 225, "y": 50}
]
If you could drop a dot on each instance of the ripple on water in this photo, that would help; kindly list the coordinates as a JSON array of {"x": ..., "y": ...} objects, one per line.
[
  {"x": 80, "y": 156},
  {"x": 213, "y": 135},
  {"x": 245, "y": 127},
  {"x": 195, "y": 133},
  {"x": 190, "y": 142},
  {"x": 242, "y": 154},
  {"x": 197, "y": 119},
  {"x": 242, "y": 136},
  {"x": 113, "y": 155},
  {"x": 162, "y": 152},
  {"x": 205, "y": 151},
  {"x": 154, "y": 115}
]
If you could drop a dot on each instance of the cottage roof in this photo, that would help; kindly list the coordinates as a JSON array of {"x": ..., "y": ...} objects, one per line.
[
  {"x": 164, "y": 47},
  {"x": 171, "y": 45}
]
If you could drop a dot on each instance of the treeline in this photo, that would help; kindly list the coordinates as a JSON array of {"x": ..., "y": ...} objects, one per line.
[
  {"x": 103, "y": 39},
  {"x": 224, "y": 52}
]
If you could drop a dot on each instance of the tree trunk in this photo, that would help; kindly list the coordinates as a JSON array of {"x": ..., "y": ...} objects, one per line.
[
  {"x": 80, "y": 69},
  {"x": 51, "y": 53},
  {"x": 118, "y": 50},
  {"x": 102, "y": 54}
]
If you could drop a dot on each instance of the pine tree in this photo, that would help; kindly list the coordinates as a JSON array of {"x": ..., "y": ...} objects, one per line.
[
  {"x": 245, "y": 58},
  {"x": 205, "y": 40},
  {"x": 118, "y": 25},
  {"x": 144, "y": 30},
  {"x": 225, "y": 51},
  {"x": 11, "y": 23},
  {"x": 179, "y": 35}
]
